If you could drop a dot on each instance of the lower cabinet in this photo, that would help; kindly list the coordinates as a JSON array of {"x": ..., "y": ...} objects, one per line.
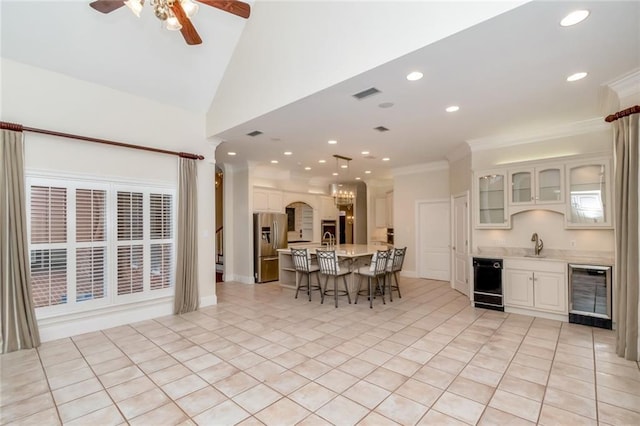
[{"x": 536, "y": 285}]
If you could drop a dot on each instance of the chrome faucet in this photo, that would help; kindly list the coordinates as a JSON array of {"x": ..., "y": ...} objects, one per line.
[
  {"x": 538, "y": 244},
  {"x": 331, "y": 239}
]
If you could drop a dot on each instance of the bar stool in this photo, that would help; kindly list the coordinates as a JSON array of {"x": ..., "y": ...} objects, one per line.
[
  {"x": 394, "y": 265},
  {"x": 328, "y": 262},
  {"x": 377, "y": 270},
  {"x": 302, "y": 263}
]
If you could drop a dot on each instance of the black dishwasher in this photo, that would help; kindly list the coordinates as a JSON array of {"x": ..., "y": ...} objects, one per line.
[{"x": 487, "y": 283}]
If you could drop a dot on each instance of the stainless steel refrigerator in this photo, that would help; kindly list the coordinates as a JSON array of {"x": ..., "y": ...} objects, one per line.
[{"x": 269, "y": 235}]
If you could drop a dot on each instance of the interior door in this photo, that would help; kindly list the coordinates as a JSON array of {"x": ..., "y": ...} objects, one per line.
[
  {"x": 460, "y": 249},
  {"x": 434, "y": 234}
]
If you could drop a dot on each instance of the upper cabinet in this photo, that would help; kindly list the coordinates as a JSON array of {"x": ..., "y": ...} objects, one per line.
[
  {"x": 389, "y": 206},
  {"x": 537, "y": 186},
  {"x": 267, "y": 200},
  {"x": 329, "y": 209},
  {"x": 491, "y": 199},
  {"x": 579, "y": 188},
  {"x": 589, "y": 194}
]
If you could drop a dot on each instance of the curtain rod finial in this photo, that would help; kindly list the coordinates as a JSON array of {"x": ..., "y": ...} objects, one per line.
[{"x": 11, "y": 126}]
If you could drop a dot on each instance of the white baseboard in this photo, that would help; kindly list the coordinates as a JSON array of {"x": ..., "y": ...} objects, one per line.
[
  {"x": 208, "y": 301},
  {"x": 239, "y": 279},
  {"x": 86, "y": 322},
  {"x": 408, "y": 274}
]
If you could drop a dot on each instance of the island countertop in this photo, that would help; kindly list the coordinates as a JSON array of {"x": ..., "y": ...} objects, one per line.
[{"x": 345, "y": 250}]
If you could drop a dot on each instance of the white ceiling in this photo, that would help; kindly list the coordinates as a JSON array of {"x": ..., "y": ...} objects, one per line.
[{"x": 506, "y": 74}]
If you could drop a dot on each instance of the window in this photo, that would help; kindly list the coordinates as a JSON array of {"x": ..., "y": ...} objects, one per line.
[{"x": 94, "y": 244}]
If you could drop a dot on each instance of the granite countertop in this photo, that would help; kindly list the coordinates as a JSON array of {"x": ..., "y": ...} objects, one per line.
[{"x": 569, "y": 256}]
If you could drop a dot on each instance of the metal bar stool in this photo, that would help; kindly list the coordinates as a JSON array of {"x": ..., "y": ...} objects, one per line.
[
  {"x": 328, "y": 262},
  {"x": 376, "y": 271},
  {"x": 302, "y": 263},
  {"x": 393, "y": 267}
]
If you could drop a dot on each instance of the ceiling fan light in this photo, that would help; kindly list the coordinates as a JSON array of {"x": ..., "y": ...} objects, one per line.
[
  {"x": 135, "y": 6},
  {"x": 189, "y": 7},
  {"x": 172, "y": 24}
]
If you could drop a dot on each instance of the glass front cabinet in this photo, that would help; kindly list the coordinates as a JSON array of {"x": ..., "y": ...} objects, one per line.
[
  {"x": 491, "y": 192},
  {"x": 539, "y": 185},
  {"x": 589, "y": 194}
]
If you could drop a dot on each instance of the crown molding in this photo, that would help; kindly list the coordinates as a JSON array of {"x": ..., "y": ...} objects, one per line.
[
  {"x": 419, "y": 168},
  {"x": 592, "y": 125},
  {"x": 627, "y": 85},
  {"x": 461, "y": 151}
]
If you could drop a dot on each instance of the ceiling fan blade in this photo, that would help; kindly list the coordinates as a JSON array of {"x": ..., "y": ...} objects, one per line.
[
  {"x": 106, "y": 6},
  {"x": 188, "y": 31},
  {"x": 238, "y": 8}
]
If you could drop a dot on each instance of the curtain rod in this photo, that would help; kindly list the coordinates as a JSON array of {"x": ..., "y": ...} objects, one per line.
[
  {"x": 20, "y": 128},
  {"x": 625, "y": 112}
]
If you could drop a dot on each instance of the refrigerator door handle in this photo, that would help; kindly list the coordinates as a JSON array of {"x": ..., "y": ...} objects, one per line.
[{"x": 275, "y": 235}]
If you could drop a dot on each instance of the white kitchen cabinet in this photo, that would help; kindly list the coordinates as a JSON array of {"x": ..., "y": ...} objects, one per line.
[
  {"x": 267, "y": 200},
  {"x": 491, "y": 199},
  {"x": 381, "y": 212},
  {"x": 540, "y": 185},
  {"x": 589, "y": 194},
  {"x": 329, "y": 211},
  {"x": 536, "y": 285}
]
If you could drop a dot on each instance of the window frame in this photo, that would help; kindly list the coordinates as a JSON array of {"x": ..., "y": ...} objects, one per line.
[{"x": 111, "y": 186}]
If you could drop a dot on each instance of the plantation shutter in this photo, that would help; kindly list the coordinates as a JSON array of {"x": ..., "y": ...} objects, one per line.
[
  {"x": 91, "y": 252},
  {"x": 161, "y": 224},
  {"x": 130, "y": 219}
]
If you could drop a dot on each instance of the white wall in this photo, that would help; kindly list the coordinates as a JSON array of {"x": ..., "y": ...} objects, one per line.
[
  {"x": 292, "y": 49},
  {"x": 427, "y": 182},
  {"x": 42, "y": 99}
]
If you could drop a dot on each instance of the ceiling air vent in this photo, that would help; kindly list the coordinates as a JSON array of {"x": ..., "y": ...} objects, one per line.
[
  {"x": 254, "y": 133},
  {"x": 381, "y": 129},
  {"x": 366, "y": 93}
]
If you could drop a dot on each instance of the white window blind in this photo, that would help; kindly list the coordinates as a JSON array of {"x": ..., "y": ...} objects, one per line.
[{"x": 94, "y": 243}]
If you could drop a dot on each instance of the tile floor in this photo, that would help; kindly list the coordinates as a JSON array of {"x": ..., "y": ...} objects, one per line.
[{"x": 262, "y": 357}]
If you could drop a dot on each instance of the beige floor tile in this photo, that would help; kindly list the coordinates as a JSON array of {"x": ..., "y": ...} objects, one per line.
[
  {"x": 416, "y": 355},
  {"x": 357, "y": 367},
  {"x": 619, "y": 383},
  {"x": 553, "y": 416},
  {"x": 168, "y": 414},
  {"x": 366, "y": 394},
  {"x": 74, "y": 376},
  {"x": 337, "y": 380},
  {"x": 481, "y": 375},
  {"x": 286, "y": 382},
  {"x": 567, "y": 370},
  {"x": 375, "y": 356},
  {"x": 459, "y": 407},
  {"x": 225, "y": 413},
  {"x": 446, "y": 364},
  {"x": 616, "y": 415},
  {"x": 475, "y": 391},
  {"x": 532, "y": 361},
  {"x": 131, "y": 388},
  {"x": 492, "y": 416},
  {"x": 201, "y": 400},
  {"x": 312, "y": 396},
  {"x": 311, "y": 369},
  {"x": 85, "y": 405},
  {"x": 235, "y": 384},
  {"x": 169, "y": 374},
  {"x": 62, "y": 368},
  {"x": 433, "y": 376},
  {"x": 290, "y": 359},
  {"x": 25, "y": 407},
  {"x": 575, "y": 386},
  {"x": 619, "y": 399},
  {"x": 386, "y": 379},
  {"x": 434, "y": 417},
  {"x": 257, "y": 398},
  {"x": 457, "y": 354},
  {"x": 76, "y": 390},
  {"x": 106, "y": 416},
  {"x": 528, "y": 373},
  {"x": 375, "y": 419},
  {"x": 517, "y": 405},
  {"x": 184, "y": 386},
  {"x": 282, "y": 409},
  {"x": 575, "y": 360},
  {"x": 522, "y": 387},
  {"x": 571, "y": 402},
  {"x": 47, "y": 417},
  {"x": 342, "y": 411},
  {"x": 533, "y": 350},
  {"x": 120, "y": 376},
  {"x": 157, "y": 364},
  {"x": 142, "y": 403},
  {"x": 10, "y": 395},
  {"x": 402, "y": 410}
]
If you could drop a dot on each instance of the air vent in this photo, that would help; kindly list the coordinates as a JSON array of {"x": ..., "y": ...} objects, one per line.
[
  {"x": 366, "y": 93},
  {"x": 381, "y": 129},
  {"x": 254, "y": 133}
]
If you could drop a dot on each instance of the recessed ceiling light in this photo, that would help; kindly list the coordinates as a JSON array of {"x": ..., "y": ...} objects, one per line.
[
  {"x": 386, "y": 159},
  {"x": 231, "y": 153},
  {"x": 332, "y": 142},
  {"x": 307, "y": 168},
  {"x": 452, "y": 108},
  {"x": 367, "y": 172},
  {"x": 414, "y": 76},
  {"x": 322, "y": 161},
  {"x": 274, "y": 161},
  {"x": 288, "y": 153},
  {"x": 365, "y": 152},
  {"x": 344, "y": 166},
  {"x": 358, "y": 178},
  {"x": 577, "y": 76},
  {"x": 574, "y": 17},
  {"x": 335, "y": 173}
]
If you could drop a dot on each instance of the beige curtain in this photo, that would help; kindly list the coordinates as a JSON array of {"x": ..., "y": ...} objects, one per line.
[
  {"x": 19, "y": 326},
  {"x": 626, "y": 140},
  {"x": 186, "y": 297}
]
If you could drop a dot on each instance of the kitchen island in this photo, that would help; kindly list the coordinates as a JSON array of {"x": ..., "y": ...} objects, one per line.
[{"x": 351, "y": 256}]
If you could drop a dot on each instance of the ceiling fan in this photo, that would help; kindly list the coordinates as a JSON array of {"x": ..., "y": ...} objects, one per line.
[{"x": 175, "y": 13}]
